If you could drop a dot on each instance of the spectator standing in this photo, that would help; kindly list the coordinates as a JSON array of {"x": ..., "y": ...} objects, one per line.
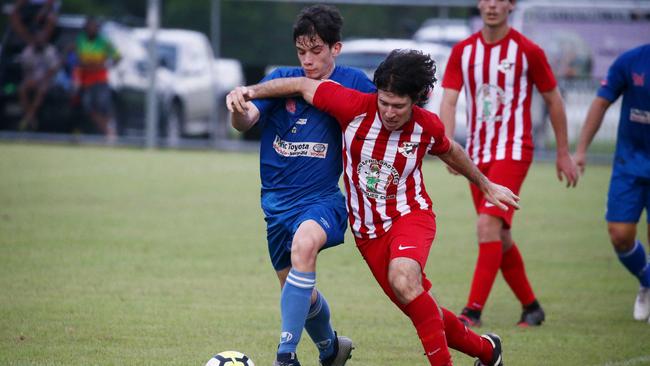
[{"x": 94, "y": 52}]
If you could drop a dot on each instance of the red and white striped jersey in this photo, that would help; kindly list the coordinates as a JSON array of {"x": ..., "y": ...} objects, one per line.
[
  {"x": 382, "y": 169},
  {"x": 498, "y": 80}
]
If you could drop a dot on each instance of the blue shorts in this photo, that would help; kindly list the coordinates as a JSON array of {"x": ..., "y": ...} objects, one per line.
[
  {"x": 330, "y": 214},
  {"x": 628, "y": 195}
]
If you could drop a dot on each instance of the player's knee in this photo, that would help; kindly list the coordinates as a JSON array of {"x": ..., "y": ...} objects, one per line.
[
  {"x": 489, "y": 228},
  {"x": 622, "y": 236},
  {"x": 304, "y": 251},
  {"x": 621, "y": 239},
  {"x": 405, "y": 283}
]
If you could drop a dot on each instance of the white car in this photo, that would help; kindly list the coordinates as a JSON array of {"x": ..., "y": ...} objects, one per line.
[
  {"x": 444, "y": 31},
  {"x": 367, "y": 53},
  {"x": 194, "y": 82}
]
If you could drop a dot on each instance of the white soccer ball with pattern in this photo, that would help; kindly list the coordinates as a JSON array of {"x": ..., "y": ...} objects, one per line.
[{"x": 230, "y": 358}]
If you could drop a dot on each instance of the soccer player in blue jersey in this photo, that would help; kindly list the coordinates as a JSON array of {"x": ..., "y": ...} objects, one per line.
[
  {"x": 300, "y": 166},
  {"x": 629, "y": 189}
]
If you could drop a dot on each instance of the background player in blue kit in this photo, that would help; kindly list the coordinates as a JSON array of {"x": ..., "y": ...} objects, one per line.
[
  {"x": 629, "y": 190},
  {"x": 300, "y": 166}
]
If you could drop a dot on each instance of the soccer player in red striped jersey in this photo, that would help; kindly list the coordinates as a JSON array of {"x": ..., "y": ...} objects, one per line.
[
  {"x": 498, "y": 66},
  {"x": 386, "y": 136}
]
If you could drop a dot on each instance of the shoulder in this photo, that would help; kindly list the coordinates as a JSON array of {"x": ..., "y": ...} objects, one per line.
[
  {"x": 285, "y": 72},
  {"x": 642, "y": 52},
  {"x": 458, "y": 47},
  {"x": 429, "y": 121},
  {"x": 353, "y": 78},
  {"x": 347, "y": 71},
  {"x": 527, "y": 45}
]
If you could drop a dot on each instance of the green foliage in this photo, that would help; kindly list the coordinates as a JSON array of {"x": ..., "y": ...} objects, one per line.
[{"x": 129, "y": 257}]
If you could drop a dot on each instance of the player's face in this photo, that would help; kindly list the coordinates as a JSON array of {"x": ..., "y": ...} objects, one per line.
[
  {"x": 394, "y": 110},
  {"x": 316, "y": 57},
  {"x": 495, "y": 12}
]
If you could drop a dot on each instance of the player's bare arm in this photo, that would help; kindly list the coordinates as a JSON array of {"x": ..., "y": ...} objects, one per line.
[
  {"x": 592, "y": 124},
  {"x": 565, "y": 166},
  {"x": 457, "y": 159},
  {"x": 284, "y": 87},
  {"x": 244, "y": 114},
  {"x": 448, "y": 115}
]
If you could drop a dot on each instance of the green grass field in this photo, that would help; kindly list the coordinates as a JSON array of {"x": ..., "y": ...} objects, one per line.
[{"x": 130, "y": 257}]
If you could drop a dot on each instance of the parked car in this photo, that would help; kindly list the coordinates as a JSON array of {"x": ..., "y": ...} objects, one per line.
[
  {"x": 445, "y": 31},
  {"x": 367, "y": 53},
  {"x": 61, "y": 111},
  {"x": 195, "y": 83}
]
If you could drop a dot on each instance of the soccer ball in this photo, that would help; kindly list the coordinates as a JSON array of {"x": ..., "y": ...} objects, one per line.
[{"x": 230, "y": 358}]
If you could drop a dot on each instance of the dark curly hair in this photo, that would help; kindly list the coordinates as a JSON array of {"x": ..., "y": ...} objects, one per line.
[
  {"x": 407, "y": 72},
  {"x": 319, "y": 20}
]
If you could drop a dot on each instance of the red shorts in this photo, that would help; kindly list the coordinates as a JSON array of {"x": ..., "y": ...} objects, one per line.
[
  {"x": 506, "y": 173},
  {"x": 411, "y": 236}
]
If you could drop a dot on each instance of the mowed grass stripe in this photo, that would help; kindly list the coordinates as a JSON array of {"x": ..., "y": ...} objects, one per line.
[{"x": 130, "y": 257}]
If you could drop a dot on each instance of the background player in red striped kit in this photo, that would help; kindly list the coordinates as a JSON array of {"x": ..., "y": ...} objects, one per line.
[
  {"x": 498, "y": 67},
  {"x": 386, "y": 136}
]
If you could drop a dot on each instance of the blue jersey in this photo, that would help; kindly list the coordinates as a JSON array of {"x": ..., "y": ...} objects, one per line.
[
  {"x": 300, "y": 147},
  {"x": 630, "y": 76}
]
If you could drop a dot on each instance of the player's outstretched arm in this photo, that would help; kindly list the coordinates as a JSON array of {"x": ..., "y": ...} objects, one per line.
[
  {"x": 592, "y": 124},
  {"x": 245, "y": 114},
  {"x": 500, "y": 196},
  {"x": 565, "y": 167}
]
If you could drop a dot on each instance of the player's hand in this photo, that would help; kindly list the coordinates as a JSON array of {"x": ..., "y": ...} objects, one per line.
[
  {"x": 566, "y": 168},
  {"x": 452, "y": 170},
  {"x": 237, "y": 99},
  {"x": 581, "y": 161},
  {"x": 501, "y": 196}
]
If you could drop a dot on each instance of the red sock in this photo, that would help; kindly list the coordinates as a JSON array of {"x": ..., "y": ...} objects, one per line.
[
  {"x": 487, "y": 267},
  {"x": 514, "y": 272},
  {"x": 425, "y": 315},
  {"x": 463, "y": 339}
]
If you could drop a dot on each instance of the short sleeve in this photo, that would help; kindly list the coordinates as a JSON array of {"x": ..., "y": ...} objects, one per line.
[
  {"x": 612, "y": 87},
  {"x": 453, "y": 78},
  {"x": 435, "y": 129},
  {"x": 340, "y": 102},
  {"x": 540, "y": 71}
]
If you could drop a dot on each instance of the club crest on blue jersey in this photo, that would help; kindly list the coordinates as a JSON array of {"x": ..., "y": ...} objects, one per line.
[
  {"x": 638, "y": 79},
  {"x": 290, "y": 105}
]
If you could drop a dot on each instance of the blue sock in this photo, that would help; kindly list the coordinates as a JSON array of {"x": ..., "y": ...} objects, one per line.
[
  {"x": 319, "y": 328},
  {"x": 294, "y": 306},
  {"x": 636, "y": 262}
]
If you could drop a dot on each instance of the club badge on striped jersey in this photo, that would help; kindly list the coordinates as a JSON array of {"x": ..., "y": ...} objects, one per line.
[
  {"x": 505, "y": 65},
  {"x": 407, "y": 148},
  {"x": 490, "y": 99},
  {"x": 376, "y": 177}
]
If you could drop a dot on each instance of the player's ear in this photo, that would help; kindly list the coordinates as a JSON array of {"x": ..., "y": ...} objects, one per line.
[{"x": 336, "y": 48}]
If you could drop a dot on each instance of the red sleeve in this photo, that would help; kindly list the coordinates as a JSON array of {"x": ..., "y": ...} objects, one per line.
[
  {"x": 539, "y": 70},
  {"x": 342, "y": 103},
  {"x": 453, "y": 78},
  {"x": 435, "y": 132}
]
